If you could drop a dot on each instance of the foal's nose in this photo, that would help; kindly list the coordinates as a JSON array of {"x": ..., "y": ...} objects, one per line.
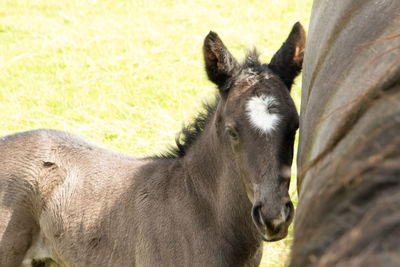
[{"x": 275, "y": 221}]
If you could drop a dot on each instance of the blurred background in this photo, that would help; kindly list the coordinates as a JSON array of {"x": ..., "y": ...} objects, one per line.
[{"x": 127, "y": 75}]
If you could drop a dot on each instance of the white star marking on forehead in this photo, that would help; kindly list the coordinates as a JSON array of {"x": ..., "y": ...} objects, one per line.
[{"x": 259, "y": 115}]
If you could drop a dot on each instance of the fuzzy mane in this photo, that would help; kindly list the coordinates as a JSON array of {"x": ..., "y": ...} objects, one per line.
[
  {"x": 190, "y": 133},
  {"x": 251, "y": 60}
]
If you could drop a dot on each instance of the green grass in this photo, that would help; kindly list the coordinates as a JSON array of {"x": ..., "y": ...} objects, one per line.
[{"x": 127, "y": 74}]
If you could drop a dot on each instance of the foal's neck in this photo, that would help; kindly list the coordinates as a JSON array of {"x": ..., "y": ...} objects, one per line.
[
  {"x": 206, "y": 165},
  {"x": 211, "y": 167},
  {"x": 213, "y": 172}
]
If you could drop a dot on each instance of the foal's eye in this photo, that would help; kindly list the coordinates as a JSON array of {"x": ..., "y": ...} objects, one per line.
[{"x": 232, "y": 133}]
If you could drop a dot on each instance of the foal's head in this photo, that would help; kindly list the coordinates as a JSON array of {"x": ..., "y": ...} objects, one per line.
[{"x": 257, "y": 120}]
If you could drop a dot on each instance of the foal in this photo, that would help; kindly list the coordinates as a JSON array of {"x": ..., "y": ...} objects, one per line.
[{"x": 209, "y": 202}]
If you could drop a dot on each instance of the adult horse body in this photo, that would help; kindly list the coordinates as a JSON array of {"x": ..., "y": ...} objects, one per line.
[
  {"x": 349, "y": 146},
  {"x": 210, "y": 202}
]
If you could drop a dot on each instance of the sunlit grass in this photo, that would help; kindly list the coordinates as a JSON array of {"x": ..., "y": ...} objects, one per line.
[{"x": 127, "y": 74}]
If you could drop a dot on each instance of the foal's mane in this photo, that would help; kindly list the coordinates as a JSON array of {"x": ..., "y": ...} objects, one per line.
[{"x": 191, "y": 132}]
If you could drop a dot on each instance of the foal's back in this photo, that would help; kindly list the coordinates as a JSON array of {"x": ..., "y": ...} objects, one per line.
[{"x": 46, "y": 178}]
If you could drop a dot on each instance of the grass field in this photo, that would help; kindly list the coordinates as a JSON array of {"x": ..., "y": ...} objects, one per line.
[{"x": 127, "y": 74}]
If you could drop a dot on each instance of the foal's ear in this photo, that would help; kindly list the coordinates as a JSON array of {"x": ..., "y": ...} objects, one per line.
[
  {"x": 288, "y": 60},
  {"x": 220, "y": 64}
]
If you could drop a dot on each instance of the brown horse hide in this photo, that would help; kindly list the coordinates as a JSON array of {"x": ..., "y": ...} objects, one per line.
[{"x": 349, "y": 150}]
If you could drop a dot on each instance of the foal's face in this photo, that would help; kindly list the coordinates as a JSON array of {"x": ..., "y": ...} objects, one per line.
[
  {"x": 260, "y": 121},
  {"x": 257, "y": 122}
]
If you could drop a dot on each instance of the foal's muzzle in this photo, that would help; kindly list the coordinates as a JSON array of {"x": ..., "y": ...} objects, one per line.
[{"x": 272, "y": 228}]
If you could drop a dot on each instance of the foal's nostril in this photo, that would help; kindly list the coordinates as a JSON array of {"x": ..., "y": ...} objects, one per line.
[
  {"x": 288, "y": 210},
  {"x": 257, "y": 216}
]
